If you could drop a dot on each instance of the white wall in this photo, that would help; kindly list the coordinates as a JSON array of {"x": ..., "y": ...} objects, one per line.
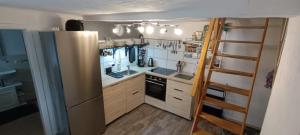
[
  {"x": 32, "y": 19},
  {"x": 282, "y": 117},
  {"x": 164, "y": 57}
]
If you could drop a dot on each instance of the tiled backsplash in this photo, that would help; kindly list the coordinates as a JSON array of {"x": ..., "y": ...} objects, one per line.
[
  {"x": 162, "y": 58},
  {"x": 165, "y": 58},
  {"x": 107, "y": 61}
]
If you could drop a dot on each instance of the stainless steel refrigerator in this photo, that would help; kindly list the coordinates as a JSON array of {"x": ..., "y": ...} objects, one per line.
[{"x": 73, "y": 73}]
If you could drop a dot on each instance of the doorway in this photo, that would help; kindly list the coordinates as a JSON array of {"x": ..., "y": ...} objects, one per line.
[{"x": 19, "y": 111}]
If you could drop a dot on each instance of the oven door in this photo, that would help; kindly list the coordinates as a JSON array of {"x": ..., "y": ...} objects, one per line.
[{"x": 156, "y": 89}]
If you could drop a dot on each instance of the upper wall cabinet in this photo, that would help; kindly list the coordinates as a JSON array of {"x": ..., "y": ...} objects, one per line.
[{"x": 11, "y": 43}]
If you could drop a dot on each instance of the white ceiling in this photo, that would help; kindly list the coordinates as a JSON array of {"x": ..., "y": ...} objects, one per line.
[{"x": 161, "y": 9}]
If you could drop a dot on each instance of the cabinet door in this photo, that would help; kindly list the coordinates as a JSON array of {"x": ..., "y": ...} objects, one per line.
[
  {"x": 114, "y": 102},
  {"x": 135, "y": 92}
]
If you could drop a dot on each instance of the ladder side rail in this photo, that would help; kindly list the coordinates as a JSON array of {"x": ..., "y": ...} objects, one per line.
[{"x": 219, "y": 25}]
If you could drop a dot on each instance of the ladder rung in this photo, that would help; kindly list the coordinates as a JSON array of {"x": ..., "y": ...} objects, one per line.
[
  {"x": 244, "y": 27},
  {"x": 238, "y": 41},
  {"x": 234, "y": 72},
  {"x": 201, "y": 132},
  {"x": 225, "y": 124},
  {"x": 237, "y": 56},
  {"x": 229, "y": 88},
  {"x": 224, "y": 105}
]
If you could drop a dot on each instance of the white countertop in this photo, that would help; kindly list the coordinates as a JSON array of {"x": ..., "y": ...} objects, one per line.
[{"x": 108, "y": 80}]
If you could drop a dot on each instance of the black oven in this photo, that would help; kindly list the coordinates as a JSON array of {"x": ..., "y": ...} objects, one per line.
[{"x": 156, "y": 87}]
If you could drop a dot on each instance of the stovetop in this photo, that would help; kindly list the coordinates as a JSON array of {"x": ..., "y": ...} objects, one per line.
[{"x": 163, "y": 71}]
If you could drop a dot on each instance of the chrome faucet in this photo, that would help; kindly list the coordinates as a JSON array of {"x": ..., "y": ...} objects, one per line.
[{"x": 128, "y": 69}]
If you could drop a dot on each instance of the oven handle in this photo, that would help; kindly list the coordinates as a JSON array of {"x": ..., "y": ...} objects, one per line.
[{"x": 155, "y": 83}]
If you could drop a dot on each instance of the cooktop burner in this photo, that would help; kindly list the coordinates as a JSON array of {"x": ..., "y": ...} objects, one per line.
[{"x": 163, "y": 71}]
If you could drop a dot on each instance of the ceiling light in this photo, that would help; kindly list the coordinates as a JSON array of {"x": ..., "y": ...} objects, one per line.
[
  {"x": 128, "y": 30},
  {"x": 118, "y": 30},
  {"x": 149, "y": 29},
  {"x": 163, "y": 31},
  {"x": 115, "y": 30},
  {"x": 141, "y": 29},
  {"x": 178, "y": 31}
]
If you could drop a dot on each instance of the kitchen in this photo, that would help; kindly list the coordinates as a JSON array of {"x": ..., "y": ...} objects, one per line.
[
  {"x": 141, "y": 73},
  {"x": 166, "y": 87},
  {"x": 154, "y": 78}
]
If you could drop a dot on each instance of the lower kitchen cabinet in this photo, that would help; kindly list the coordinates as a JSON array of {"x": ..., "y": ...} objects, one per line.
[
  {"x": 135, "y": 92},
  {"x": 114, "y": 102},
  {"x": 123, "y": 97},
  {"x": 179, "y": 99}
]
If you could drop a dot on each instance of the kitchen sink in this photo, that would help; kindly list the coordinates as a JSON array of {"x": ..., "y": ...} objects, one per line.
[
  {"x": 122, "y": 73},
  {"x": 183, "y": 76},
  {"x": 128, "y": 72}
]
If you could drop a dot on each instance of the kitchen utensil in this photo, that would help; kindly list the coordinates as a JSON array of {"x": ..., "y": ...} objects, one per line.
[{"x": 179, "y": 66}]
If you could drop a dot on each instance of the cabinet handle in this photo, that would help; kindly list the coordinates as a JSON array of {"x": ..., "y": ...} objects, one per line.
[
  {"x": 177, "y": 98},
  {"x": 178, "y": 90},
  {"x": 135, "y": 92}
]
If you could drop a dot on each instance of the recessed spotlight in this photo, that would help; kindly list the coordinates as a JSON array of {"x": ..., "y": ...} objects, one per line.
[{"x": 115, "y": 30}]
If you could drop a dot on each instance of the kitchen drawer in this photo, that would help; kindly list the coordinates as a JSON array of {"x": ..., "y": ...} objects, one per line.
[
  {"x": 180, "y": 103},
  {"x": 185, "y": 88},
  {"x": 178, "y": 93},
  {"x": 134, "y": 99}
]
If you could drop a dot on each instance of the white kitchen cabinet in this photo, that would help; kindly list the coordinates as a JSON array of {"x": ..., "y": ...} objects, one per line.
[
  {"x": 123, "y": 97},
  {"x": 179, "y": 99}
]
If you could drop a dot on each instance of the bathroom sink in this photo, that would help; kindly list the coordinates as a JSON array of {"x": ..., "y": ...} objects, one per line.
[{"x": 183, "y": 76}]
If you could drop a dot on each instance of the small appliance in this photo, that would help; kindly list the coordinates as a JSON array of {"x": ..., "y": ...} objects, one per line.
[{"x": 150, "y": 62}]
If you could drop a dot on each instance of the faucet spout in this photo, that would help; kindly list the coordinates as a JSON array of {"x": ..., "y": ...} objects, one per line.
[{"x": 128, "y": 69}]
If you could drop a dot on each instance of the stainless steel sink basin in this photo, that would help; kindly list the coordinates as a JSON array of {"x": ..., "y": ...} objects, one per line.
[
  {"x": 128, "y": 72},
  {"x": 122, "y": 73},
  {"x": 183, "y": 76}
]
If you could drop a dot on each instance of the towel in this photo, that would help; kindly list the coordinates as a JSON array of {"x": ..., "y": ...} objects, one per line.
[{"x": 131, "y": 51}]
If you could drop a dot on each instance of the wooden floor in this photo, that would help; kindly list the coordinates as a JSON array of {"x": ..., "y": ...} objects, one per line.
[{"x": 149, "y": 120}]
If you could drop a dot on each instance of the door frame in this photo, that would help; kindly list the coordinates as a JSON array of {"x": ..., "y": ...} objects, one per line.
[{"x": 35, "y": 63}]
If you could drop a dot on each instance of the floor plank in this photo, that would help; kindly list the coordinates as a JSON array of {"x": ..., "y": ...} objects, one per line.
[{"x": 148, "y": 120}]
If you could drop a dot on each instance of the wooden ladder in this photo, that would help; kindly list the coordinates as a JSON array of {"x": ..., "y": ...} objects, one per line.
[{"x": 232, "y": 126}]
